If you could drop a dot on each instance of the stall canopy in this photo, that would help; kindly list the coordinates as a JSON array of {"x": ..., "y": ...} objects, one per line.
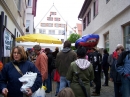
[{"x": 39, "y": 38}]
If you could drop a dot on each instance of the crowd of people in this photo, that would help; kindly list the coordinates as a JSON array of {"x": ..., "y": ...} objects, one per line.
[{"x": 78, "y": 70}]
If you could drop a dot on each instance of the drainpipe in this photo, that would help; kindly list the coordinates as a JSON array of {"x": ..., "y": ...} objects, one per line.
[{"x": 1, "y": 35}]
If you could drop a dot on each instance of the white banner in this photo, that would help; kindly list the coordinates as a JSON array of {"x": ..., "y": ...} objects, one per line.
[{"x": 7, "y": 43}]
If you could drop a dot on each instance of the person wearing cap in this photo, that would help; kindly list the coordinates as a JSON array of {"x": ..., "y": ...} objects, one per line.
[{"x": 115, "y": 77}]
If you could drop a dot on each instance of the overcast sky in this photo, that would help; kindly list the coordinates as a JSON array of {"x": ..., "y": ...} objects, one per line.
[{"x": 69, "y": 9}]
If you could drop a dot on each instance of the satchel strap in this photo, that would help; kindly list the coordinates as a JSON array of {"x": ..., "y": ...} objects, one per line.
[{"x": 17, "y": 68}]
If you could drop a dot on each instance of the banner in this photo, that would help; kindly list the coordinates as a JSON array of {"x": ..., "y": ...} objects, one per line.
[{"x": 7, "y": 43}]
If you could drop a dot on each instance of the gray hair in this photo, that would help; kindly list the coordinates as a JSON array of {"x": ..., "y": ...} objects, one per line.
[{"x": 37, "y": 47}]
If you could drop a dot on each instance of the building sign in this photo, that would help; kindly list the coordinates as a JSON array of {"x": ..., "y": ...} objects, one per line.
[{"x": 7, "y": 43}]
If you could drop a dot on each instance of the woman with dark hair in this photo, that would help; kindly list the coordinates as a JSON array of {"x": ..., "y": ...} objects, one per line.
[
  {"x": 54, "y": 56},
  {"x": 9, "y": 80},
  {"x": 84, "y": 69},
  {"x": 48, "y": 81},
  {"x": 105, "y": 66}
]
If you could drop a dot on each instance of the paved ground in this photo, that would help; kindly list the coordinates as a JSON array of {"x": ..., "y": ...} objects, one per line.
[{"x": 105, "y": 91}]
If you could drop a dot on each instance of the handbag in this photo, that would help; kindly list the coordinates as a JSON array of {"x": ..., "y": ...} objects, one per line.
[{"x": 56, "y": 76}]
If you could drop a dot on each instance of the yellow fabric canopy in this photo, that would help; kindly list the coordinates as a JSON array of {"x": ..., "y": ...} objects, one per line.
[{"x": 39, "y": 38}]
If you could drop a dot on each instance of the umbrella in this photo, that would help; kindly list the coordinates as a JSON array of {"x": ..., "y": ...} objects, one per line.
[{"x": 39, "y": 38}]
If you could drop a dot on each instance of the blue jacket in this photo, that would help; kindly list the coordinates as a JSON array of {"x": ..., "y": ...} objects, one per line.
[
  {"x": 123, "y": 64},
  {"x": 9, "y": 78}
]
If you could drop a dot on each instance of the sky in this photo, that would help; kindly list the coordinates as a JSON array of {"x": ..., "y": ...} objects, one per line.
[{"x": 69, "y": 10}]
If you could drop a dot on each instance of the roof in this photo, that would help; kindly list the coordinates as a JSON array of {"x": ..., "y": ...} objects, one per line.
[{"x": 84, "y": 8}]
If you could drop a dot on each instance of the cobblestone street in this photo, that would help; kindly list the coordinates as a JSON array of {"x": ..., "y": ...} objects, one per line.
[{"x": 106, "y": 91}]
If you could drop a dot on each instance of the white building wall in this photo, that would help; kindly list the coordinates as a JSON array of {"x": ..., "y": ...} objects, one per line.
[
  {"x": 111, "y": 16},
  {"x": 10, "y": 24}
]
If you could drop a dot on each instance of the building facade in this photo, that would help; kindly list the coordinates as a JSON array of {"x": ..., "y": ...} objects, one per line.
[
  {"x": 53, "y": 24},
  {"x": 12, "y": 24},
  {"x": 30, "y": 14},
  {"x": 108, "y": 18}
]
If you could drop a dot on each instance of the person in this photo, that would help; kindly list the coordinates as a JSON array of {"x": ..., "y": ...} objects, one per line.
[
  {"x": 66, "y": 92},
  {"x": 9, "y": 80},
  {"x": 85, "y": 71},
  {"x": 110, "y": 59},
  {"x": 123, "y": 68},
  {"x": 57, "y": 83},
  {"x": 48, "y": 81},
  {"x": 41, "y": 62},
  {"x": 96, "y": 62},
  {"x": 63, "y": 61},
  {"x": 55, "y": 52},
  {"x": 105, "y": 66},
  {"x": 114, "y": 75}
]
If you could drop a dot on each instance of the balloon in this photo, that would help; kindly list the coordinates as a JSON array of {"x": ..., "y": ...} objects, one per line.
[{"x": 90, "y": 40}]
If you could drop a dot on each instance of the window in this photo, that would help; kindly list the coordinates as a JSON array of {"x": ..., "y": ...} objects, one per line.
[
  {"x": 63, "y": 25},
  {"x": 56, "y": 25},
  {"x": 27, "y": 25},
  {"x": 50, "y": 25},
  {"x": 70, "y": 32},
  {"x": 52, "y": 32},
  {"x": 43, "y": 24},
  {"x": 95, "y": 8},
  {"x": 107, "y": 1},
  {"x": 106, "y": 38},
  {"x": 127, "y": 36},
  {"x": 84, "y": 23},
  {"x": 43, "y": 31},
  {"x": 56, "y": 19},
  {"x": 61, "y": 32},
  {"x": 50, "y": 18},
  {"x": 89, "y": 17},
  {"x": 52, "y": 13},
  {"x": 29, "y": 3},
  {"x": 18, "y": 4}
]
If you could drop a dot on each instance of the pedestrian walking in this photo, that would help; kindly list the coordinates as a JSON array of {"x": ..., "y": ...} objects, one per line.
[
  {"x": 115, "y": 77},
  {"x": 9, "y": 80},
  {"x": 96, "y": 62},
  {"x": 123, "y": 67},
  {"x": 105, "y": 66},
  {"x": 63, "y": 61},
  {"x": 48, "y": 81},
  {"x": 41, "y": 62},
  {"x": 80, "y": 69}
]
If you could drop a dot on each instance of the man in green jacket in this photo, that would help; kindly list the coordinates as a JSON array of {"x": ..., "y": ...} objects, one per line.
[{"x": 63, "y": 61}]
